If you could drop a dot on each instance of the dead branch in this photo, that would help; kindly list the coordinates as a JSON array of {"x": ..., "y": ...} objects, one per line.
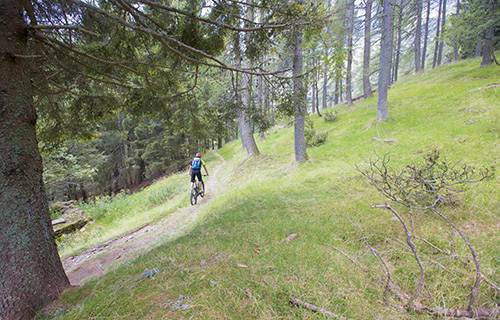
[
  {"x": 313, "y": 308},
  {"x": 384, "y": 140},
  {"x": 347, "y": 256},
  {"x": 413, "y": 249},
  {"x": 475, "y": 289},
  {"x": 493, "y": 85},
  {"x": 493, "y": 313},
  {"x": 375, "y": 253}
]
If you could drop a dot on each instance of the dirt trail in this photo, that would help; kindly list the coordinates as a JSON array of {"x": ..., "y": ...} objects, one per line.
[{"x": 95, "y": 260}]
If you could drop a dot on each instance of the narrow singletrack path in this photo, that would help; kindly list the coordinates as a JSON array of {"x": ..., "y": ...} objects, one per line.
[{"x": 96, "y": 260}]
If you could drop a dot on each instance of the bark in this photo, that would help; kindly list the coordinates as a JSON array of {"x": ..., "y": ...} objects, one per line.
[
  {"x": 260, "y": 104},
  {"x": 325, "y": 85},
  {"x": 385, "y": 60},
  {"x": 325, "y": 67},
  {"x": 348, "y": 84},
  {"x": 367, "y": 89},
  {"x": 490, "y": 6},
  {"x": 300, "y": 99},
  {"x": 337, "y": 89},
  {"x": 418, "y": 28},
  {"x": 426, "y": 34},
  {"x": 436, "y": 46},
  {"x": 31, "y": 271},
  {"x": 441, "y": 41},
  {"x": 398, "y": 45},
  {"x": 455, "y": 45},
  {"x": 244, "y": 124},
  {"x": 479, "y": 44}
]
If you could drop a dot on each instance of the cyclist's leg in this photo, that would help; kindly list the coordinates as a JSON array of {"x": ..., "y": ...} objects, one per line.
[
  {"x": 202, "y": 184},
  {"x": 193, "y": 180},
  {"x": 200, "y": 180}
]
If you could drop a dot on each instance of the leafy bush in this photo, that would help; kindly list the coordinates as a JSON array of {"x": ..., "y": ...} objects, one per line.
[
  {"x": 312, "y": 138},
  {"x": 330, "y": 116}
]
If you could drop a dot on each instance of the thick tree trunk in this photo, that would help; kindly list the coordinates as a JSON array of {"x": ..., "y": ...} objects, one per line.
[
  {"x": 418, "y": 28},
  {"x": 348, "y": 84},
  {"x": 31, "y": 271},
  {"x": 386, "y": 48},
  {"x": 367, "y": 88},
  {"x": 490, "y": 6},
  {"x": 426, "y": 35},
  {"x": 299, "y": 99}
]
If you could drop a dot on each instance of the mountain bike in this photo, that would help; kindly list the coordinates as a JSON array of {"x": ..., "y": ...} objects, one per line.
[{"x": 196, "y": 191}]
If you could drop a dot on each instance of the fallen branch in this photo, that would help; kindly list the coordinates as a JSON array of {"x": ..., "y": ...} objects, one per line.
[
  {"x": 475, "y": 313},
  {"x": 475, "y": 289},
  {"x": 348, "y": 257},
  {"x": 313, "y": 308},
  {"x": 375, "y": 253},
  {"x": 384, "y": 140},
  {"x": 493, "y": 85}
]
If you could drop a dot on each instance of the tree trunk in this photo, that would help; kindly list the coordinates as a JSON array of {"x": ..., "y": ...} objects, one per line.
[
  {"x": 31, "y": 271},
  {"x": 260, "y": 104},
  {"x": 479, "y": 44},
  {"x": 367, "y": 88},
  {"x": 246, "y": 130},
  {"x": 436, "y": 47},
  {"x": 455, "y": 44},
  {"x": 426, "y": 35},
  {"x": 441, "y": 41},
  {"x": 348, "y": 84},
  {"x": 337, "y": 89},
  {"x": 394, "y": 77},
  {"x": 299, "y": 99},
  {"x": 418, "y": 28},
  {"x": 386, "y": 48},
  {"x": 490, "y": 6},
  {"x": 325, "y": 85}
]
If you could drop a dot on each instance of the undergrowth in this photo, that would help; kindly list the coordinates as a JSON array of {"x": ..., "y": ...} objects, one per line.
[{"x": 236, "y": 264}]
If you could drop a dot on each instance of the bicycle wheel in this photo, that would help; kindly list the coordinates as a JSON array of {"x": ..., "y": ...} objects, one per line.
[
  {"x": 202, "y": 194},
  {"x": 194, "y": 195}
]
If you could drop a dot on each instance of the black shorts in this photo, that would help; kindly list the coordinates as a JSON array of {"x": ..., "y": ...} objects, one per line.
[{"x": 196, "y": 173}]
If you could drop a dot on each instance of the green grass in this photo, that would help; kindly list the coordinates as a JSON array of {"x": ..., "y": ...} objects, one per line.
[{"x": 264, "y": 199}]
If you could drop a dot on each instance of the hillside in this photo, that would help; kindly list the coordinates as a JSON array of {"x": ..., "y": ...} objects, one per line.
[{"x": 234, "y": 262}]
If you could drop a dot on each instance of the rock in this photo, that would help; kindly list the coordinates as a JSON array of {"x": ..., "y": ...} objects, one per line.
[{"x": 58, "y": 221}]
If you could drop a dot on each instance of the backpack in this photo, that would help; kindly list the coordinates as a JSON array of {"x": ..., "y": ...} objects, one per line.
[{"x": 196, "y": 163}]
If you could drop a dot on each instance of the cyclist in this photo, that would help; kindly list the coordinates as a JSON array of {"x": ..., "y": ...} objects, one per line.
[{"x": 195, "y": 170}]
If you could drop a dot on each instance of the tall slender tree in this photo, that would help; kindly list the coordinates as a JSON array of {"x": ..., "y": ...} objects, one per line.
[
  {"x": 438, "y": 36},
  {"x": 441, "y": 40},
  {"x": 455, "y": 43},
  {"x": 299, "y": 97},
  {"x": 350, "y": 35},
  {"x": 426, "y": 34},
  {"x": 418, "y": 29},
  {"x": 386, "y": 48},
  {"x": 367, "y": 89},
  {"x": 397, "y": 50}
]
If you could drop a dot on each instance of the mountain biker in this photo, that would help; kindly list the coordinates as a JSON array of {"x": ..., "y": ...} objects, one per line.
[{"x": 195, "y": 170}]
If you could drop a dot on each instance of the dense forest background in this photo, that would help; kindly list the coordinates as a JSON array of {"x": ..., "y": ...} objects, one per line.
[{"x": 98, "y": 138}]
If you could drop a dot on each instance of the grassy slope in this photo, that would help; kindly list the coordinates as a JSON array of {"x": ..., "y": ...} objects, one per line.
[{"x": 264, "y": 199}]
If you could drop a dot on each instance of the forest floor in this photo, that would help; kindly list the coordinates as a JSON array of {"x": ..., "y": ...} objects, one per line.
[{"x": 97, "y": 260}]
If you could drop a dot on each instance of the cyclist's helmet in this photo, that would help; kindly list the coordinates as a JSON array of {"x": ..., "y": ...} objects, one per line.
[{"x": 198, "y": 155}]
